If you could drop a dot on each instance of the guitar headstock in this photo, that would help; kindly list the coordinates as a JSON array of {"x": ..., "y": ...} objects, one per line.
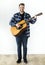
[{"x": 39, "y": 14}]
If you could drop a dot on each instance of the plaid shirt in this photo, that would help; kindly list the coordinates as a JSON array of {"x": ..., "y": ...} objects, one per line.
[{"x": 17, "y": 17}]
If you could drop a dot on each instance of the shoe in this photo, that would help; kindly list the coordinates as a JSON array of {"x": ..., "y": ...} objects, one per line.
[
  {"x": 25, "y": 61},
  {"x": 18, "y": 61}
]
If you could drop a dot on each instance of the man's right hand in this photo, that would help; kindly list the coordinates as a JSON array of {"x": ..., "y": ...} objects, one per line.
[{"x": 17, "y": 25}]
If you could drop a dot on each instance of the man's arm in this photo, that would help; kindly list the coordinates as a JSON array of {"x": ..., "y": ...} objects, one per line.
[
  {"x": 12, "y": 21},
  {"x": 33, "y": 20}
]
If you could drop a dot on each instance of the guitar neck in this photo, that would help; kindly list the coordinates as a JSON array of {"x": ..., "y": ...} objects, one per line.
[{"x": 36, "y": 15}]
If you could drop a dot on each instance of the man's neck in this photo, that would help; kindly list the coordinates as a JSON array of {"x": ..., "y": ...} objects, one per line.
[{"x": 21, "y": 12}]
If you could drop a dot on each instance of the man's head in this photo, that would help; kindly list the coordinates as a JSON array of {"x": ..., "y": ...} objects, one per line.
[{"x": 21, "y": 7}]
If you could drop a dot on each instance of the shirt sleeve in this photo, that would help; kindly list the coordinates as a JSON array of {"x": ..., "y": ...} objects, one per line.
[
  {"x": 32, "y": 20},
  {"x": 12, "y": 21}
]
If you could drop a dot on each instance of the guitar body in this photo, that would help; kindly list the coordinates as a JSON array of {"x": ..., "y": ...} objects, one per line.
[{"x": 16, "y": 31}]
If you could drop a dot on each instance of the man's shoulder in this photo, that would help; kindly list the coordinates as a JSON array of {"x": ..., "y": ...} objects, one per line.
[
  {"x": 27, "y": 14},
  {"x": 16, "y": 14}
]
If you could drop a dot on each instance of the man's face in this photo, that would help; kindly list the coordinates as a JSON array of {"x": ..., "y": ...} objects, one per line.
[{"x": 21, "y": 8}]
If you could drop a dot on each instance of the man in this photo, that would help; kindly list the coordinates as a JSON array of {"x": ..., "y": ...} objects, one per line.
[{"x": 22, "y": 39}]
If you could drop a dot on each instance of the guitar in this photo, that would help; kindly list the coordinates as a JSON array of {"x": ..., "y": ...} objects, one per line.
[{"x": 17, "y": 31}]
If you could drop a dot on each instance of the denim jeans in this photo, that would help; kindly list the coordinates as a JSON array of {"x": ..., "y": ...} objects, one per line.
[{"x": 22, "y": 40}]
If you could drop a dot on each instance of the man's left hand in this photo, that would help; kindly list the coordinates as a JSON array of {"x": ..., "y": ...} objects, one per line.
[{"x": 35, "y": 17}]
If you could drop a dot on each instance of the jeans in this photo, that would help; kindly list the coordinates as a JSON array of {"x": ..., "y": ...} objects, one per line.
[{"x": 22, "y": 40}]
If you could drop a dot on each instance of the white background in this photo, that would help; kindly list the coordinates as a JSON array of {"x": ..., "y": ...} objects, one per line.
[{"x": 36, "y": 43}]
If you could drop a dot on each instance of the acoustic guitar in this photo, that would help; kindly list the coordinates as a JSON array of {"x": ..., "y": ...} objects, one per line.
[{"x": 17, "y": 31}]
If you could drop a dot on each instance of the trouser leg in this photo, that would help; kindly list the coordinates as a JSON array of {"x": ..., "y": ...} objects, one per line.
[
  {"x": 18, "y": 40},
  {"x": 25, "y": 47}
]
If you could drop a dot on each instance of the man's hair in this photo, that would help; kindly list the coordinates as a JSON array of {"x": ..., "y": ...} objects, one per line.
[{"x": 22, "y": 4}]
